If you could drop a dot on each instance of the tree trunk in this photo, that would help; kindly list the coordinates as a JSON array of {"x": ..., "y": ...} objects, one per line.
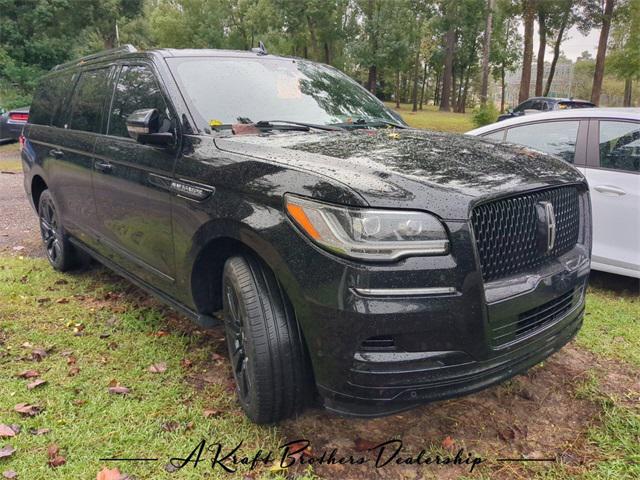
[
  {"x": 373, "y": 78},
  {"x": 436, "y": 90},
  {"x": 542, "y": 36},
  {"x": 486, "y": 51},
  {"x": 556, "y": 49},
  {"x": 463, "y": 104},
  {"x": 424, "y": 84},
  {"x": 525, "y": 80},
  {"x": 627, "y": 92},
  {"x": 596, "y": 90},
  {"x": 502, "y": 89},
  {"x": 397, "y": 88},
  {"x": 416, "y": 69},
  {"x": 447, "y": 75},
  {"x": 327, "y": 53}
]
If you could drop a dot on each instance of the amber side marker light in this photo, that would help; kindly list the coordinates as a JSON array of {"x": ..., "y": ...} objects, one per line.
[{"x": 297, "y": 213}]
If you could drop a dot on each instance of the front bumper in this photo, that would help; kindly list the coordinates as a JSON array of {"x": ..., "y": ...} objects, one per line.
[{"x": 376, "y": 355}]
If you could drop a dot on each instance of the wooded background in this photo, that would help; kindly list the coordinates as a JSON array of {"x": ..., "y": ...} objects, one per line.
[{"x": 454, "y": 54}]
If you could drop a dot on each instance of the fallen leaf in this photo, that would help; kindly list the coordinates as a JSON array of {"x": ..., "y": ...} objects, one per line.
[
  {"x": 186, "y": 363},
  {"x": 79, "y": 402},
  {"x": 28, "y": 374},
  {"x": 211, "y": 412},
  {"x": 216, "y": 357},
  {"x": 6, "y": 431},
  {"x": 52, "y": 451},
  {"x": 6, "y": 451},
  {"x": 26, "y": 345},
  {"x": 73, "y": 371},
  {"x": 36, "y": 384},
  {"x": 38, "y": 354},
  {"x": 361, "y": 444},
  {"x": 43, "y": 300},
  {"x": 170, "y": 468},
  {"x": 161, "y": 333},
  {"x": 108, "y": 474},
  {"x": 119, "y": 390},
  {"x": 112, "y": 383},
  {"x": 9, "y": 474},
  {"x": 66, "y": 353},
  {"x": 27, "y": 409},
  {"x": 189, "y": 426},
  {"x": 170, "y": 426},
  {"x": 71, "y": 360},
  {"x": 61, "y": 281},
  {"x": 62, "y": 300},
  {"x": 104, "y": 335},
  {"x": 39, "y": 431},
  {"x": 57, "y": 461},
  {"x": 160, "y": 367},
  {"x": 448, "y": 442}
]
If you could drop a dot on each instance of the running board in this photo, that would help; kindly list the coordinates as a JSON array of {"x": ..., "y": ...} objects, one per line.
[{"x": 205, "y": 321}]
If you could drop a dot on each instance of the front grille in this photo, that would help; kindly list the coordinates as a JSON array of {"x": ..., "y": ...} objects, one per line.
[
  {"x": 535, "y": 318},
  {"x": 506, "y": 231}
]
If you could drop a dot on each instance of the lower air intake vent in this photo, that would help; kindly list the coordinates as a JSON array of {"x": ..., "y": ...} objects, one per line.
[{"x": 377, "y": 344}]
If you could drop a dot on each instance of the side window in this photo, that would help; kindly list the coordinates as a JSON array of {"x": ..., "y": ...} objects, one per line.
[
  {"x": 523, "y": 106},
  {"x": 620, "y": 145},
  {"x": 136, "y": 89},
  {"x": 556, "y": 138},
  {"x": 48, "y": 98},
  {"x": 88, "y": 101},
  {"x": 64, "y": 90},
  {"x": 498, "y": 135}
]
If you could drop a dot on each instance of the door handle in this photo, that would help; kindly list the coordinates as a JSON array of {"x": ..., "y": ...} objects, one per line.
[
  {"x": 104, "y": 167},
  {"x": 55, "y": 153},
  {"x": 609, "y": 190}
]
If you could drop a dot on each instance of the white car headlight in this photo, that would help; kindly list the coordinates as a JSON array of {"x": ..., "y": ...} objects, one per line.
[{"x": 368, "y": 234}]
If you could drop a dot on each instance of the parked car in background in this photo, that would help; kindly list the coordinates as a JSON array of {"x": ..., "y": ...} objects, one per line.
[
  {"x": 604, "y": 144},
  {"x": 544, "y": 104},
  {"x": 11, "y": 123}
]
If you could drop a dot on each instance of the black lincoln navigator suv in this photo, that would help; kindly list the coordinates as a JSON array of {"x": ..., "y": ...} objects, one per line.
[{"x": 354, "y": 259}]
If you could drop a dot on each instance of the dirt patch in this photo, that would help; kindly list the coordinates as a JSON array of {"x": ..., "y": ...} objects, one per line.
[
  {"x": 19, "y": 232},
  {"x": 537, "y": 415}
]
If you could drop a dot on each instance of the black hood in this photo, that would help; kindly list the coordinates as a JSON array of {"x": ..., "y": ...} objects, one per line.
[{"x": 412, "y": 168}]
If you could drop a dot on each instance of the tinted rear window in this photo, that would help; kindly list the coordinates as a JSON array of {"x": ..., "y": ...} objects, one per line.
[
  {"x": 88, "y": 100},
  {"x": 562, "y": 105},
  {"x": 49, "y": 99}
]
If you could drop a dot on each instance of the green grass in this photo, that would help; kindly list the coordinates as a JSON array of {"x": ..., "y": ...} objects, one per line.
[
  {"x": 86, "y": 421},
  {"x": 10, "y": 157},
  {"x": 431, "y": 119},
  {"x": 612, "y": 326}
]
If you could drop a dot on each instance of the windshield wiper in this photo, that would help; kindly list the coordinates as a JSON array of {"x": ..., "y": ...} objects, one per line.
[
  {"x": 305, "y": 125},
  {"x": 374, "y": 122}
]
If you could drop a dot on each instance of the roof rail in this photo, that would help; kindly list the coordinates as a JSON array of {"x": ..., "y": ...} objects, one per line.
[{"x": 128, "y": 48}]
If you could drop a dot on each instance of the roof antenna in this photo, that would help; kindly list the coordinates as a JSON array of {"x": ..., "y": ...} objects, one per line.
[{"x": 260, "y": 50}]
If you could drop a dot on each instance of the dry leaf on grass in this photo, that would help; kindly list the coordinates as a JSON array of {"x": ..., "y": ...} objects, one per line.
[
  {"x": 108, "y": 474},
  {"x": 38, "y": 354},
  {"x": 119, "y": 390},
  {"x": 27, "y": 409},
  {"x": 6, "y": 451},
  {"x": 28, "y": 374},
  {"x": 186, "y": 363},
  {"x": 36, "y": 384},
  {"x": 55, "y": 459},
  {"x": 6, "y": 431},
  {"x": 213, "y": 412},
  {"x": 160, "y": 367},
  {"x": 448, "y": 442},
  {"x": 39, "y": 431},
  {"x": 73, "y": 371},
  {"x": 9, "y": 474}
]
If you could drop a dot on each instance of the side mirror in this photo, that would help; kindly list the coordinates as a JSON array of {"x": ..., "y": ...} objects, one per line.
[{"x": 144, "y": 127}]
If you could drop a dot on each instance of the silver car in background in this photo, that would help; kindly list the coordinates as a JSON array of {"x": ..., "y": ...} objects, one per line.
[{"x": 604, "y": 144}]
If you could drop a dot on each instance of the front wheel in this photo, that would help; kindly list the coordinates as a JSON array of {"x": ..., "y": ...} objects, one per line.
[
  {"x": 265, "y": 348},
  {"x": 60, "y": 252}
]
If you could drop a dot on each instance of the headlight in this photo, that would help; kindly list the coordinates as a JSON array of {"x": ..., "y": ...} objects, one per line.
[{"x": 367, "y": 234}]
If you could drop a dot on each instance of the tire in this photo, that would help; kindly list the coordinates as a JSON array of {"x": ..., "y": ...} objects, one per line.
[
  {"x": 267, "y": 355},
  {"x": 60, "y": 253}
]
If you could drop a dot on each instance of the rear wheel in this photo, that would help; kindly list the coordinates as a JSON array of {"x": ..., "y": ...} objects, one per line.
[
  {"x": 265, "y": 348},
  {"x": 60, "y": 252}
]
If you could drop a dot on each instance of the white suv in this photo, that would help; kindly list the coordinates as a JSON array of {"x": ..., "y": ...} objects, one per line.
[{"x": 604, "y": 144}]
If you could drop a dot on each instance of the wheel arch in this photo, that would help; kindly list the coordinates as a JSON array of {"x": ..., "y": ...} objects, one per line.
[{"x": 38, "y": 185}]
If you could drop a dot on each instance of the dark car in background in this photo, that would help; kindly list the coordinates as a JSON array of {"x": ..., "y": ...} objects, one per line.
[
  {"x": 544, "y": 104},
  {"x": 351, "y": 256},
  {"x": 12, "y": 122}
]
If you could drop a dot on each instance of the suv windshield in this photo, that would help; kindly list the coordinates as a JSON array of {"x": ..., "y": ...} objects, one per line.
[{"x": 236, "y": 90}]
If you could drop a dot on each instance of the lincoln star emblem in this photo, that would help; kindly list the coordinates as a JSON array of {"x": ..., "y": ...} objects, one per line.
[{"x": 547, "y": 227}]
